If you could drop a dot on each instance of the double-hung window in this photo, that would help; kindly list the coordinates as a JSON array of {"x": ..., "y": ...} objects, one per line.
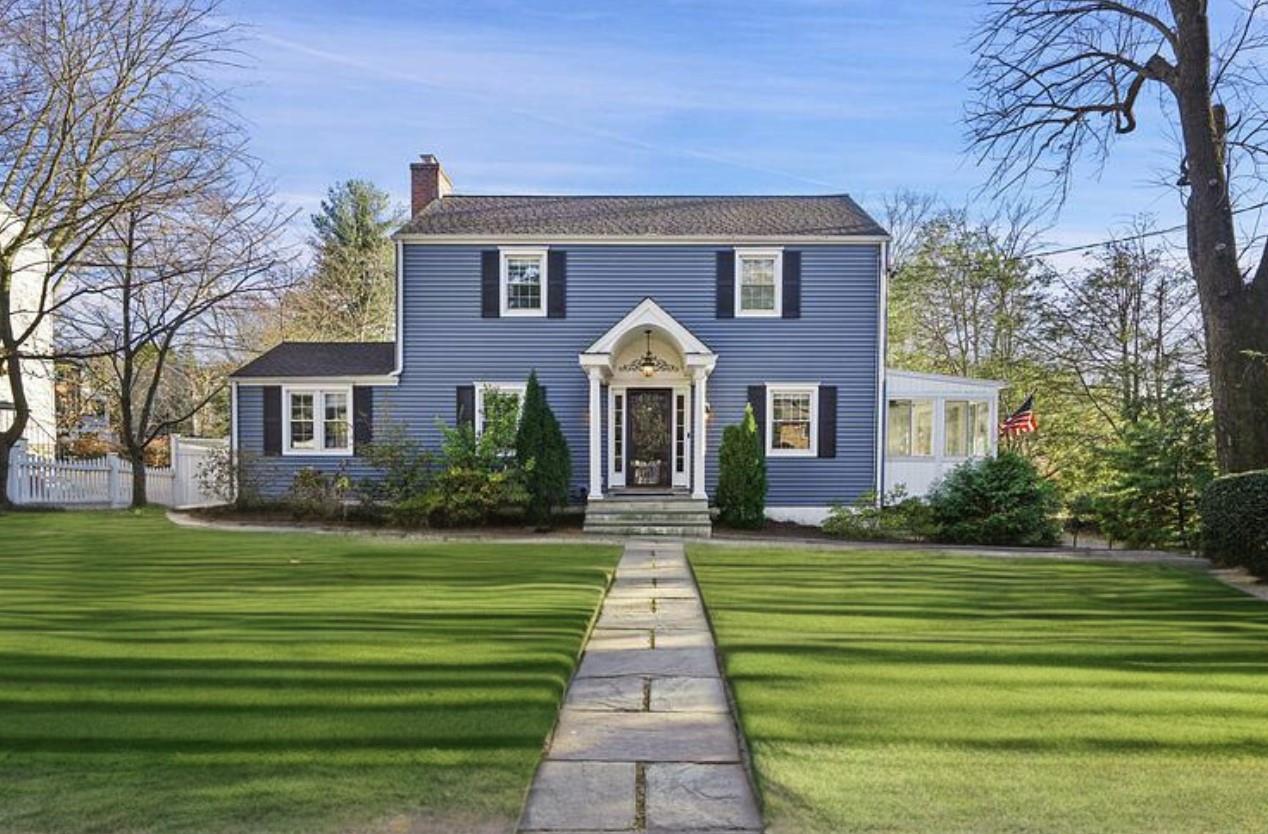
[
  {"x": 758, "y": 282},
  {"x": 498, "y": 408},
  {"x": 792, "y": 420},
  {"x": 910, "y": 429},
  {"x": 318, "y": 421},
  {"x": 523, "y": 282},
  {"x": 967, "y": 425}
]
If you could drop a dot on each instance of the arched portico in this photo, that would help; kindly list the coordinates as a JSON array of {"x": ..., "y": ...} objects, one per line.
[{"x": 650, "y": 362}]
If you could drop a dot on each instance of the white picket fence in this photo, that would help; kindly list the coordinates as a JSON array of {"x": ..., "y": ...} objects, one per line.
[{"x": 39, "y": 479}]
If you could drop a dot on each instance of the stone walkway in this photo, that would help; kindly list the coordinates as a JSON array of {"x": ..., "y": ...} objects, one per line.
[{"x": 646, "y": 740}]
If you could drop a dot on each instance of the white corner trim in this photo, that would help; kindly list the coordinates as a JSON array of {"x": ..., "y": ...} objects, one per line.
[
  {"x": 811, "y": 388},
  {"x": 400, "y": 310},
  {"x": 810, "y": 516},
  {"x": 319, "y": 422},
  {"x": 505, "y": 252},
  {"x": 775, "y": 252},
  {"x": 882, "y": 381}
]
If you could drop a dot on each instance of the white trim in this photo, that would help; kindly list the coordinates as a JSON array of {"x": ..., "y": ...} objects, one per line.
[
  {"x": 966, "y": 381},
  {"x": 400, "y": 310},
  {"x": 777, "y": 254},
  {"x": 309, "y": 381},
  {"x": 505, "y": 252},
  {"x": 641, "y": 240},
  {"x": 811, "y": 388},
  {"x": 809, "y": 516},
  {"x": 519, "y": 388},
  {"x": 319, "y": 420},
  {"x": 882, "y": 384}
]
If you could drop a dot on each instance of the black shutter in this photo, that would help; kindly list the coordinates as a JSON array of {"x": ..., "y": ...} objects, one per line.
[
  {"x": 362, "y": 416},
  {"x": 557, "y": 284},
  {"x": 272, "y": 420},
  {"x": 757, "y": 399},
  {"x": 464, "y": 408},
  {"x": 827, "y": 421},
  {"x": 792, "y": 285},
  {"x": 726, "y": 285},
  {"x": 490, "y": 267}
]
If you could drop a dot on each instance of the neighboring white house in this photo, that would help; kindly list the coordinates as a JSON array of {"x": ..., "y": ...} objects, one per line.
[
  {"x": 37, "y": 375},
  {"x": 934, "y": 423}
]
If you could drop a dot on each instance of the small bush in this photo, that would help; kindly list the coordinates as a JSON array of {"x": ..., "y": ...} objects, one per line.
[
  {"x": 741, "y": 492},
  {"x": 899, "y": 517},
  {"x": 315, "y": 495},
  {"x": 996, "y": 501},
  {"x": 465, "y": 497},
  {"x": 542, "y": 454},
  {"x": 405, "y": 469},
  {"x": 1234, "y": 511},
  {"x": 1083, "y": 512}
]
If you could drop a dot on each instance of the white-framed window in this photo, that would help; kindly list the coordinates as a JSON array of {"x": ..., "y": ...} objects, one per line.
[
  {"x": 759, "y": 285},
  {"x": 792, "y": 420},
  {"x": 523, "y": 283},
  {"x": 910, "y": 429},
  {"x": 317, "y": 420},
  {"x": 967, "y": 425},
  {"x": 498, "y": 407}
]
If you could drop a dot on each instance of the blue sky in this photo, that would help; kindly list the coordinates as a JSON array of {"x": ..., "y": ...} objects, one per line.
[{"x": 674, "y": 97}]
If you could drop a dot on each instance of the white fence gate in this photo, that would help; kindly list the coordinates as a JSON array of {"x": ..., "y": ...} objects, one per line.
[{"x": 107, "y": 481}]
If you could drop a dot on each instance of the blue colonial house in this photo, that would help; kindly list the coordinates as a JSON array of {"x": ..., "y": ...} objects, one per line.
[{"x": 652, "y": 322}]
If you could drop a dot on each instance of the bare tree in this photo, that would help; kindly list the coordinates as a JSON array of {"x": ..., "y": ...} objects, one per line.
[
  {"x": 169, "y": 269},
  {"x": 1058, "y": 81},
  {"x": 103, "y": 106},
  {"x": 1124, "y": 329}
]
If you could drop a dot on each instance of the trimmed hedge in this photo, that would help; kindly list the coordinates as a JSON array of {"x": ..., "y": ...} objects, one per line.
[{"x": 1235, "y": 521}]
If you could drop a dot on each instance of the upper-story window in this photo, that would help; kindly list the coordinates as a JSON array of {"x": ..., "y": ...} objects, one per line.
[
  {"x": 910, "y": 432},
  {"x": 792, "y": 428},
  {"x": 318, "y": 421},
  {"x": 523, "y": 284},
  {"x": 758, "y": 284},
  {"x": 967, "y": 425}
]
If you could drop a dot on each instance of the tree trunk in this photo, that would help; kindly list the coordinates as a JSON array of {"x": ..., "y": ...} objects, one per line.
[
  {"x": 5, "y": 502},
  {"x": 137, "y": 458},
  {"x": 1234, "y": 312}
]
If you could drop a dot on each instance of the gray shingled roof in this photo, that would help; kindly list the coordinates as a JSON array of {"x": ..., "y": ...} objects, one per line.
[
  {"x": 561, "y": 216},
  {"x": 322, "y": 359}
]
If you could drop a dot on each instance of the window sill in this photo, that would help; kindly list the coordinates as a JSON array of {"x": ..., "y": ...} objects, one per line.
[
  {"x": 792, "y": 453},
  {"x": 758, "y": 314},
  {"x": 524, "y": 314},
  {"x": 316, "y": 453}
]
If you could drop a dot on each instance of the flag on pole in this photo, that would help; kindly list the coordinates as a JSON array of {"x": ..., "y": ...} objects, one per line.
[{"x": 1022, "y": 421}]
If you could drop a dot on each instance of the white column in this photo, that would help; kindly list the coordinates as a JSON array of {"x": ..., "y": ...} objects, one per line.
[
  {"x": 596, "y": 435},
  {"x": 698, "y": 439}
]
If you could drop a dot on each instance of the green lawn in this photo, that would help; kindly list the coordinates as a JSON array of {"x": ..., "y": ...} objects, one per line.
[
  {"x": 903, "y": 692},
  {"x": 160, "y": 679}
]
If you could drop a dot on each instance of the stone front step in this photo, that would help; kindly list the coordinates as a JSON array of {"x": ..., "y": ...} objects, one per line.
[{"x": 649, "y": 516}]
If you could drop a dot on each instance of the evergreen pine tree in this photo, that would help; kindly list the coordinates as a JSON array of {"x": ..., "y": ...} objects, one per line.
[
  {"x": 542, "y": 453},
  {"x": 742, "y": 475}
]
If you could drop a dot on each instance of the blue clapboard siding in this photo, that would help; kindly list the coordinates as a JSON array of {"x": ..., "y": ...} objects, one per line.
[{"x": 448, "y": 344}]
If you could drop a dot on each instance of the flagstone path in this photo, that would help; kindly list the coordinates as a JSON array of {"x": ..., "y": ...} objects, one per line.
[{"x": 646, "y": 741}]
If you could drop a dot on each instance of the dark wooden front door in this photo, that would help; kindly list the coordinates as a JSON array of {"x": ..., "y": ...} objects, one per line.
[{"x": 648, "y": 456}]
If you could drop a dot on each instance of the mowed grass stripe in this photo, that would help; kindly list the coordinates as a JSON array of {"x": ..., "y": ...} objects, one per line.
[
  {"x": 905, "y": 692},
  {"x": 154, "y": 678}
]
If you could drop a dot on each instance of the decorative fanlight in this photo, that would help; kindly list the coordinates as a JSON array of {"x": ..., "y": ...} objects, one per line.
[{"x": 649, "y": 363}]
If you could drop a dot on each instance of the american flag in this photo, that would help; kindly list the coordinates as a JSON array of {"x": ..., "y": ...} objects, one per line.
[{"x": 1022, "y": 421}]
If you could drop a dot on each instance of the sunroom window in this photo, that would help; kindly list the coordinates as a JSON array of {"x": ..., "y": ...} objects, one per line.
[
  {"x": 523, "y": 282},
  {"x": 968, "y": 428},
  {"x": 318, "y": 421},
  {"x": 790, "y": 420},
  {"x": 757, "y": 284},
  {"x": 910, "y": 429}
]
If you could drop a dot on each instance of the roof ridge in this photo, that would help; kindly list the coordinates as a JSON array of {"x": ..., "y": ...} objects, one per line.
[{"x": 835, "y": 195}]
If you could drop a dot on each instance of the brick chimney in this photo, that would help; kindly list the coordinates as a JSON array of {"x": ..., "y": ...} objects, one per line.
[{"x": 427, "y": 182}]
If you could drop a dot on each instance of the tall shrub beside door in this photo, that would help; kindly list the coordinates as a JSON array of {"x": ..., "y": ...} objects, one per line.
[{"x": 742, "y": 475}]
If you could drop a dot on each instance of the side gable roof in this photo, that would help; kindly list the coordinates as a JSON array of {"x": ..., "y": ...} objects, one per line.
[
  {"x": 322, "y": 359},
  {"x": 834, "y": 215}
]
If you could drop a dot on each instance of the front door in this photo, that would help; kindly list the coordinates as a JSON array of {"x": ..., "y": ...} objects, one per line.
[{"x": 649, "y": 454}]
